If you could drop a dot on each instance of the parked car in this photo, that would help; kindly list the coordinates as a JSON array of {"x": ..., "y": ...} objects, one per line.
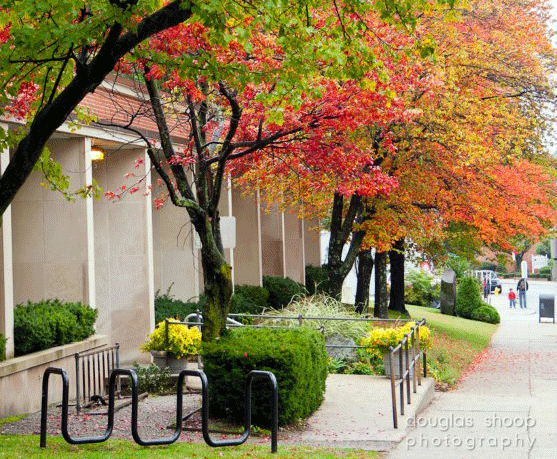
[{"x": 482, "y": 274}]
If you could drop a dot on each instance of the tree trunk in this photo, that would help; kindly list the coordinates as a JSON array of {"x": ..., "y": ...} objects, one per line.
[
  {"x": 218, "y": 291},
  {"x": 217, "y": 277},
  {"x": 396, "y": 257},
  {"x": 341, "y": 231},
  {"x": 365, "y": 268},
  {"x": 381, "y": 301}
]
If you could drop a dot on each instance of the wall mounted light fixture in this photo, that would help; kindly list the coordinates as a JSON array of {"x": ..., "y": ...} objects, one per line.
[{"x": 97, "y": 154}]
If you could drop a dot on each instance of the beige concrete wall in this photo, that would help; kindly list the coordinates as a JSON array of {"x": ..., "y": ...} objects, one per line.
[
  {"x": 294, "y": 247},
  {"x": 312, "y": 243},
  {"x": 122, "y": 269},
  {"x": 6, "y": 269},
  {"x": 21, "y": 378},
  {"x": 176, "y": 260},
  {"x": 247, "y": 254},
  {"x": 49, "y": 233},
  {"x": 271, "y": 243}
]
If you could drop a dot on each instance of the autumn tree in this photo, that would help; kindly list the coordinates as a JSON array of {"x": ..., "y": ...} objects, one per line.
[
  {"x": 472, "y": 144},
  {"x": 54, "y": 53},
  {"x": 474, "y": 147},
  {"x": 230, "y": 102}
]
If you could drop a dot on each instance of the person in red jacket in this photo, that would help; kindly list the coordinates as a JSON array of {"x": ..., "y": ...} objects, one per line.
[{"x": 512, "y": 298}]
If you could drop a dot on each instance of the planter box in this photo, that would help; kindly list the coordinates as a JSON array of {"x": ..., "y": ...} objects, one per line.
[
  {"x": 396, "y": 363},
  {"x": 21, "y": 377},
  {"x": 164, "y": 360}
]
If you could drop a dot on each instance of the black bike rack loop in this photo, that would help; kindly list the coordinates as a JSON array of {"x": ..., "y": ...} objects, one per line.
[
  {"x": 247, "y": 419},
  {"x": 65, "y": 403},
  {"x": 135, "y": 402}
]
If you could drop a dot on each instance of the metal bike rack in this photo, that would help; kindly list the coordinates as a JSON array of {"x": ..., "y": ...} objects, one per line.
[{"x": 135, "y": 402}]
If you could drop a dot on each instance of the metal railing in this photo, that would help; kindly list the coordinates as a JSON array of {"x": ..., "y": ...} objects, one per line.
[
  {"x": 116, "y": 373},
  {"x": 410, "y": 355},
  {"x": 407, "y": 365},
  {"x": 92, "y": 371}
]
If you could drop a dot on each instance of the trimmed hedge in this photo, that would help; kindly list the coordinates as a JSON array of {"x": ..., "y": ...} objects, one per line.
[
  {"x": 297, "y": 358},
  {"x": 486, "y": 313},
  {"x": 3, "y": 341},
  {"x": 282, "y": 290},
  {"x": 249, "y": 299},
  {"x": 167, "y": 306},
  {"x": 50, "y": 323}
]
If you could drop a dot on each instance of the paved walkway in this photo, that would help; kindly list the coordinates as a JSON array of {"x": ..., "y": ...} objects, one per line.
[
  {"x": 506, "y": 408},
  {"x": 357, "y": 413}
]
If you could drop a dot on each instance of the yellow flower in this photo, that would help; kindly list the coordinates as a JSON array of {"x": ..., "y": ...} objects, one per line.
[
  {"x": 182, "y": 340},
  {"x": 379, "y": 339}
]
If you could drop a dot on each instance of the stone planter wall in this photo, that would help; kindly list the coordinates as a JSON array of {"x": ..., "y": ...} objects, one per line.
[{"x": 21, "y": 378}]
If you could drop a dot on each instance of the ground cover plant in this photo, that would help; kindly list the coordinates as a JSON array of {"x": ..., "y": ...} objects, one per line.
[
  {"x": 27, "y": 446},
  {"x": 456, "y": 342}
]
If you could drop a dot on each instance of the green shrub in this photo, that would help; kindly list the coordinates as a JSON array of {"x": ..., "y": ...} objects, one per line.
[
  {"x": 297, "y": 358},
  {"x": 85, "y": 316},
  {"x": 420, "y": 289},
  {"x": 49, "y": 323},
  {"x": 282, "y": 290},
  {"x": 249, "y": 299},
  {"x": 468, "y": 297},
  {"x": 486, "y": 313},
  {"x": 168, "y": 306},
  {"x": 316, "y": 279},
  {"x": 3, "y": 341},
  {"x": 153, "y": 379}
]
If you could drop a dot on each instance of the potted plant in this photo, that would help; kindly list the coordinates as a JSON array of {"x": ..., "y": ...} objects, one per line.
[
  {"x": 379, "y": 339},
  {"x": 173, "y": 351}
]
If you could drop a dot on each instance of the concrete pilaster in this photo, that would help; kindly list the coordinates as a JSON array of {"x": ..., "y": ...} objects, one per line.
[{"x": 6, "y": 268}]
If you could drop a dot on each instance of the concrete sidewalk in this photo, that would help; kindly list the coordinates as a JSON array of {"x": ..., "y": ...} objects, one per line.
[
  {"x": 506, "y": 408},
  {"x": 357, "y": 413}
]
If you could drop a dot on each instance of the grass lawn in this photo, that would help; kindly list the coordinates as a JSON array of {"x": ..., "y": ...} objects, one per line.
[
  {"x": 27, "y": 446},
  {"x": 456, "y": 343}
]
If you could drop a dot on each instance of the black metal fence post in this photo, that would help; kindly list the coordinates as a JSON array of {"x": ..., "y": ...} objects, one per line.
[{"x": 393, "y": 386}]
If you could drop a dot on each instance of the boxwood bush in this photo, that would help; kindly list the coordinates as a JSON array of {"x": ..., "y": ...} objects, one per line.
[
  {"x": 249, "y": 299},
  {"x": 297, "y": 358},
  {"x": 3, "y": 341},
  {"x": 468, "y": 297},
  {"x": 316, "y": 279},
  {"x": 166, "y": 306},
  {"x": 49, "y": 323},
  {"x": 486, "y": 313},
  {"x": 282, "y": 290}
]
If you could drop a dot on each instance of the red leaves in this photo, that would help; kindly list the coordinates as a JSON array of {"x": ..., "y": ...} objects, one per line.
[{"x": 20, "y": 106}]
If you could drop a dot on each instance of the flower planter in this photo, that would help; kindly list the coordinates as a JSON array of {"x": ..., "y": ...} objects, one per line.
[
  {"x": 396, "y": 363},
  {"x": 164, "y": 359}
]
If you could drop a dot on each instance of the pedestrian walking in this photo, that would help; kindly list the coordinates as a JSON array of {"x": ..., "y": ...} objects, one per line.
[
  {"x": 522, "y": 288},
  {"x": 487, "y": 287},
  {"x": 512, "y": 299}
]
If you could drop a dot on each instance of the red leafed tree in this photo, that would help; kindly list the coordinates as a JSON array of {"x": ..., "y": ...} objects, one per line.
[
  {"x": 469, "y": 147},
  {"x": 338, "y": 168},
  {"x": 268, "y": 111}
]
